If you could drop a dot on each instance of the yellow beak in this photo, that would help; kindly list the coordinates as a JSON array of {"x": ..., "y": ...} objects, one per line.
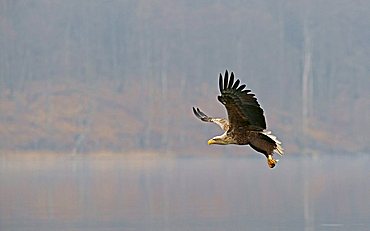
[{"x": 211, "y": 141}]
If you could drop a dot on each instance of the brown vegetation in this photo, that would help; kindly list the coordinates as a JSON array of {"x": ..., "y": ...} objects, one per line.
[{"x": 123, "y": 75}]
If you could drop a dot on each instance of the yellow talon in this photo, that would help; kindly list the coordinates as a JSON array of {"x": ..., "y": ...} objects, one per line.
[{"x": 271, "y": 161}]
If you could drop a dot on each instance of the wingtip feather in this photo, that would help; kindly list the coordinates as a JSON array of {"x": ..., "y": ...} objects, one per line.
[
  {"x": 236, "y": 84},
  {"x": 226, "y": 79},
  {"x": 195, "y": 112},
  {"x": 220, "y": 82},
  {"x": 241, "y": 87},
  {"x": 231, "y": 81}
]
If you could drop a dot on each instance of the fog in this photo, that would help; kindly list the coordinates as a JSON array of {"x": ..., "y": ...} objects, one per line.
[
  {"x": 97, "y": 130},
  {"x": 146, "y": 192},
  {"x": 88, "y": 76}
]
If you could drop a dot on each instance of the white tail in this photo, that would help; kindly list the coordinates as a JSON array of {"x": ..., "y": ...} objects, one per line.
[{"x": 279, "y": 149}]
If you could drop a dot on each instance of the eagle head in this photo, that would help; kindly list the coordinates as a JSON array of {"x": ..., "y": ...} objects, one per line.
[{"x": 222, "y": 140}]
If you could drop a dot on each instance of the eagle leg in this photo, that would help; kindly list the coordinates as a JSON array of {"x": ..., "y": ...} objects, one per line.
[{"x": 271, "y": 161}]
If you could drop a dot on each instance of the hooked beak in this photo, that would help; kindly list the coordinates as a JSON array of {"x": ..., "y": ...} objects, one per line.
[{"x": 211, "y": 141}]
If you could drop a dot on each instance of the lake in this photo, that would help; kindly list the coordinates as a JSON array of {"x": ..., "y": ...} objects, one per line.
[{"x": 198, "y": 192}]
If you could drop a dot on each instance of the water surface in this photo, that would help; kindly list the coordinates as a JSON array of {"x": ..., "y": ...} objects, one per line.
[{"x": 201, "y": 193}]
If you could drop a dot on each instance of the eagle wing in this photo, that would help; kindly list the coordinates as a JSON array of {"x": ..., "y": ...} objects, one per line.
[
  {"x": 242, "y": 106},
  {"x": 223, "y": 123}
]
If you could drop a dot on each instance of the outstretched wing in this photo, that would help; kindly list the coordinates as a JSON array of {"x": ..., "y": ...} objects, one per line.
[
  {"x": 223, "y": 123},
  {"x": 242, "y": 107}
]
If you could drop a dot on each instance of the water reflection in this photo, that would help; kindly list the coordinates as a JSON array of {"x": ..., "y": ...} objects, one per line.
[{"x": 148, "y": 192}]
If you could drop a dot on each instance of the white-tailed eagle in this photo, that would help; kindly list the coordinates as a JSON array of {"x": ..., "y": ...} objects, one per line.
[{"x": 246, "y": 123}]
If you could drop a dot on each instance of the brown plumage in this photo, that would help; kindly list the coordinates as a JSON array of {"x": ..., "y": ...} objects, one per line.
[{"x": 246, "y": 124}]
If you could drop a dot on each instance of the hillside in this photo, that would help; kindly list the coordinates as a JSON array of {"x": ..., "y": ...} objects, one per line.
[
  {"x": 73, "y": 116},
  {"x": 84, "y": 76}
]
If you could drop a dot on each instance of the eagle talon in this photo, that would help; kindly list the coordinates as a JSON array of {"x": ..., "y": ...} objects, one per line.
[{"x": 271, "y": 161}]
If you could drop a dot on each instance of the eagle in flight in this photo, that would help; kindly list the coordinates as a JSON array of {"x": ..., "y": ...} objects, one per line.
[{"x": 246, "y": 123}]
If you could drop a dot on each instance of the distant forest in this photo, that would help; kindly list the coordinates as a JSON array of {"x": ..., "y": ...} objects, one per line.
[{"x": 122, "y": 76}]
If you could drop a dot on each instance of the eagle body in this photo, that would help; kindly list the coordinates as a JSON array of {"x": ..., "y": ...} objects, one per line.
[
  {"x": 256, "y": 139},
  {"x": 246, "y": 124},
  {"x": 245, "y": 137}
]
